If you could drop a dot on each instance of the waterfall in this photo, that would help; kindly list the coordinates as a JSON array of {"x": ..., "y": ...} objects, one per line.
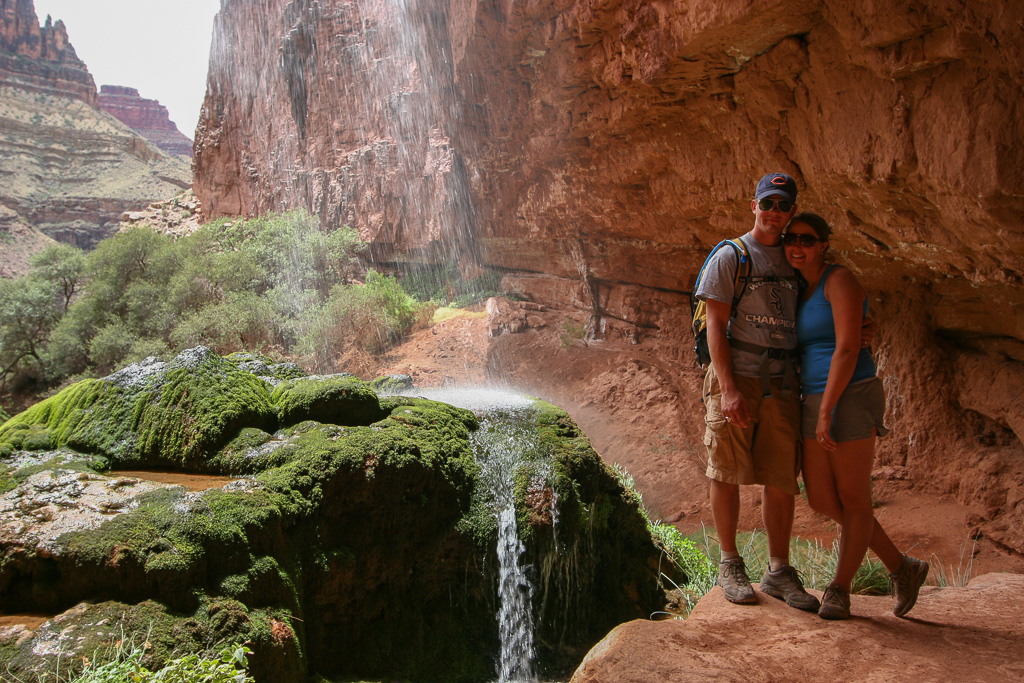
[
  {"x": 501, "y": 443},
  {"x": 505, "y": 441}
]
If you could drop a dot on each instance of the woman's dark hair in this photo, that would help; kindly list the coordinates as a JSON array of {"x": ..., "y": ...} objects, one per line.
[{"x": 816, "y": 223}]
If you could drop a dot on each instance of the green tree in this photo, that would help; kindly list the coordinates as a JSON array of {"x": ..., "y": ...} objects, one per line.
[
  {"x": 257, "y": 284},
  {"x": 64, "y": 266},
  {"x": 136, "y": 255},
  {"x": 28, "y": 313}
]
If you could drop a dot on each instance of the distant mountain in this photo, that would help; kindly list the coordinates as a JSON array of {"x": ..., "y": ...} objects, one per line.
[
  {"x": 68, "y": 169},
  {"x": 148, "y": 117}
]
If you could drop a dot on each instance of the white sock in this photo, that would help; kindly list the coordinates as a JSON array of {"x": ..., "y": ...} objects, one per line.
[
  {"x": 777, "y": 563},
  {"x": 729, "y": 555}
]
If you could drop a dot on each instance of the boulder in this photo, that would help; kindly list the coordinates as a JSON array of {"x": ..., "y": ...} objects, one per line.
[
  {"x": 358, "y": 539},
  {"x": 969, "y": 633}
]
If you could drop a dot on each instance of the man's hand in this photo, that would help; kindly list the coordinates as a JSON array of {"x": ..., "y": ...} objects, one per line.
[
  {"x": 735, "y": 409},
  {"x": 734, "y": 406}
]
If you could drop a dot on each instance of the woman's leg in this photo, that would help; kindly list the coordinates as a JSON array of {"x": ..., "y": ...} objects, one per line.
[
  {"x": 851, "y": 467},
  {"x": 819, "y": 481},
  {"x": 823, "y": 496}
]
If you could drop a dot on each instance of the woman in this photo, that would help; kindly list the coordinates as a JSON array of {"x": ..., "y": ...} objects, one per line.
[{"x": 843, "y": 405}]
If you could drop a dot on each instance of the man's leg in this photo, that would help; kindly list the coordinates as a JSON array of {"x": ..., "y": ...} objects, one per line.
[
  {"x": 781, "y": 580},
  {"x": 777, "y": 512},
  {"x": 778, "y": 453},
  {"x": 732, "y": 572},
  {"x": 725, "y": 510}
]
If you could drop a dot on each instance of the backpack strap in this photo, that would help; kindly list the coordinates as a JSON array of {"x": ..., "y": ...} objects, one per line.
[
  {"x": 744, "y": 266},
  {"x": 743, "y": 269}
]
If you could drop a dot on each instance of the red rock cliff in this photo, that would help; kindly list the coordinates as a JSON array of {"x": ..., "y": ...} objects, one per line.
[
  {"x": 596, "y": 149},
  {"x": 149, "y": 117},
  {"x": 40, "y": 58}
]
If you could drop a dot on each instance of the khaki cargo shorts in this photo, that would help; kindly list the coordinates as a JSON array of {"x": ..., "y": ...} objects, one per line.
[{"x": 767, "y": 452}]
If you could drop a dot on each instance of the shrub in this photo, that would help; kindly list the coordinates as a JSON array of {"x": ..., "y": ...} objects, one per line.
[
  {"x": 228, "y": 666},
  {"x": 372, "y": 316},
  {"x": 446, "y": 286},
  {"x": 110, "y": 345},
  {"x": 243, "y": 321},
  {"x": 261, "y": 284}
]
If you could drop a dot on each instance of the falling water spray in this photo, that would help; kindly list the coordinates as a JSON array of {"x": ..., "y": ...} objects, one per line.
[{"x": 506, "y": 441}]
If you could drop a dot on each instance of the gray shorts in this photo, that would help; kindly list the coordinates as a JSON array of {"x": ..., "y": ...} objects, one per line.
[{"x": 859, "y": 414}]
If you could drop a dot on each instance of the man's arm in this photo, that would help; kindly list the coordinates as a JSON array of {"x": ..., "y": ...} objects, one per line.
[{"x": 734, "y": 406}]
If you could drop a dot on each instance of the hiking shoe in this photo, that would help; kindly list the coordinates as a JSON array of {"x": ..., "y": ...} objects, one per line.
[
  {"x": 732, "y": 577},
  {"x": 905, "y": 583},
  {"x": 785, "y": 585},
  {"x": 835, "y": 603}
]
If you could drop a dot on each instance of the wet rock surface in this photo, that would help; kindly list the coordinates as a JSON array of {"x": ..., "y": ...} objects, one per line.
[
  {"x": 57, "y": 501},
  {"x": 344, "y": 504}
]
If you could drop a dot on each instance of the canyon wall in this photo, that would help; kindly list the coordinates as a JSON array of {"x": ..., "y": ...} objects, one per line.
[
  {"x": 40, "y": 58},
  {"x": 596, "y": 149},
  {"x": 69, "y": 170},
  {"x": 148, "y": 117}
]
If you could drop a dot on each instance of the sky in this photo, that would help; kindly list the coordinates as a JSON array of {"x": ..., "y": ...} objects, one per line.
[{"x": 159, "y": 47}]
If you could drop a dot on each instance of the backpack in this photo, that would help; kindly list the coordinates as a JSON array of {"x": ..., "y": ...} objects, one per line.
[{"x": 698, "y": 309}]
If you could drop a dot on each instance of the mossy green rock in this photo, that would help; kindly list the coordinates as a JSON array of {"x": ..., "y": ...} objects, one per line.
[
  {"x": 150, "y": 414},
  {"x": 359, "y": 543},
  {"x": 341, "y": 400}
]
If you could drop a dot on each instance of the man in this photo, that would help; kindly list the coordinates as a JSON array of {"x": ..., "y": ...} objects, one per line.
[{"x": 751, "y": 396}]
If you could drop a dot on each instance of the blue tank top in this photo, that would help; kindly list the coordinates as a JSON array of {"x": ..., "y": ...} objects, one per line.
[{"x": 816, "y": 334}]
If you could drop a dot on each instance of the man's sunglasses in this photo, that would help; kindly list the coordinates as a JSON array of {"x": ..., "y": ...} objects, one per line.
[
  {"x": 791, "y": 238},
  {"x": 766, "y": 204}
]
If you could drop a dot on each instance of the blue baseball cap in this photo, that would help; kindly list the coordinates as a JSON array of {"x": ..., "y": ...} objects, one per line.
[{"x": 776, "y": 183}]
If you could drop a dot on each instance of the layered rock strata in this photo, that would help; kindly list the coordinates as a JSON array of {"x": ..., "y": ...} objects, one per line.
[
  {"x": 69, "y": 170},
  {"x": 595, "y": 151},
  {"x": 40, "y": 58},
  {"x": 148, "y": 117}
]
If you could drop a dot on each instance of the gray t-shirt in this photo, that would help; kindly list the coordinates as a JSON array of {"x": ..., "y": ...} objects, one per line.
[{"x": 766, "y": 314}]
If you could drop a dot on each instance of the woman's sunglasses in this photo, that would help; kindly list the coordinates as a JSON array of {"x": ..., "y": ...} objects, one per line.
[
  {"x": 766, "y": 204},
  {"x": 791, "y": 238}
]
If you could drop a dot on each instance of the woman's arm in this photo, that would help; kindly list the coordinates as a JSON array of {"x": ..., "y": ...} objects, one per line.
[{"x": 847, "y": 298}]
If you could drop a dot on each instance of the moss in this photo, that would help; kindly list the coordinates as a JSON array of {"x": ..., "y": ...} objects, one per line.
[
  {"x": 362, "y": 540},
  {"x": 392, "y": 383},
  {"x": 7, "y": 480},
  {"x": 37, "y": 438},
  {"x": 175, "y": 541},
  {"x": 340, "y": 400},
  {"x": 100, "y": 630},
  {"x": 68, "y": 461},
  {"x": 170, "y": 544},
  {"x": 263, "y": 366},
  {"x": 177, "y": 416},
  {"x": 252, "y": 450}
]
